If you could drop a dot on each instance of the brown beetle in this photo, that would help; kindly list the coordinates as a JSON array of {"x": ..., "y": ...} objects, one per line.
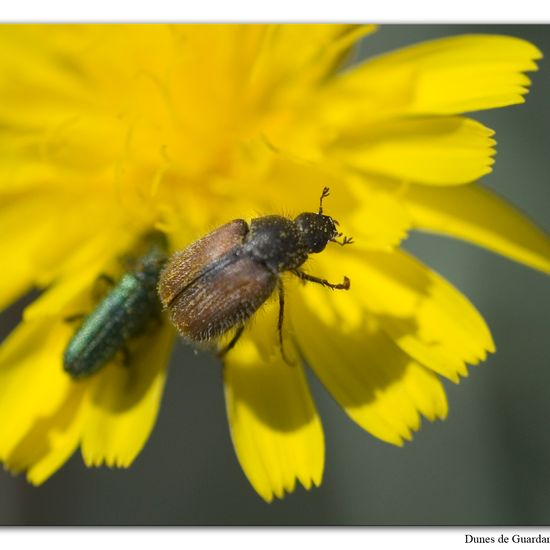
[{"x": 218, "y": 282}]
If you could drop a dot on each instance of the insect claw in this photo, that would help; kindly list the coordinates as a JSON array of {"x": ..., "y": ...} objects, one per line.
[{"x": 344, "y": 241}]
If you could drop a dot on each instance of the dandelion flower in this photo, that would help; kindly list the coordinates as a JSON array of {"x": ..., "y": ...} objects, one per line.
[{"x": 110, "y": 131}]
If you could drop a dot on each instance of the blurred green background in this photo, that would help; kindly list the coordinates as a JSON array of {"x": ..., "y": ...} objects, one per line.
[{"x": 488, "y": 463}]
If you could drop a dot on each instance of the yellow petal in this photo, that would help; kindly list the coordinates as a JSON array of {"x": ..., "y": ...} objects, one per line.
[
  {"x": 437, "y": 151},
  {"x": 39, "y": 246},
  {"x": 29, "y": 223},
  {"x": 304, "y": 52},
  {"x": 370, "y": 209},
  {"x": 425, "y": 315},
  {"x": 79, "y": 269},
  {"x": 52, "y": 439},
  {"x": 481, "y": 217},
  {"x": 32, "y": 380},
  {"x": 379, "y": 386},
  {"x": 124, "y": 403},
  {"x": 67, "y": 141},
  {"x": 274, "y": 426},
  {"x": 375, "y": 215},
  {"x": 445, "y": 76},
  {"x": 38, "y": 72}
]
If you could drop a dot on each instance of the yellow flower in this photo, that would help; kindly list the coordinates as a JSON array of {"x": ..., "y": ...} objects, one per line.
[{"x": 108, "y": 131}]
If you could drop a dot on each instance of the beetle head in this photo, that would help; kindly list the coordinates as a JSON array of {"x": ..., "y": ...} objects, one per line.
[{"x": 316, "y": 230}]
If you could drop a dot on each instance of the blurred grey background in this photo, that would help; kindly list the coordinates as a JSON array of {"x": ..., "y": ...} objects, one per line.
[{"x": 488, "y": 463}]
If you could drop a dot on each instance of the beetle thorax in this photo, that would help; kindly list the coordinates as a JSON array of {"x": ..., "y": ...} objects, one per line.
[{"x": 275, "y": 241}]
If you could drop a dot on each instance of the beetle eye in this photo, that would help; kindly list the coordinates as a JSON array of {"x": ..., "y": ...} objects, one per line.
[{"x": 332, "y": 228}]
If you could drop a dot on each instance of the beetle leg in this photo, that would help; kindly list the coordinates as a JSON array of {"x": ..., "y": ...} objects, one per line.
[
  {"x": 344, "y": 241},
  {"x": 305, "y": 277},
  {"x": 280, "y": 322},
  {"x": 231, "y": 343},
  {"x": 103, "y": 283},
  {"x": 74, "y": 317},
  {"x": 128, "y": 262},
  {"x": 102, "y": 279},
  {"x": 106, "y": 279}
]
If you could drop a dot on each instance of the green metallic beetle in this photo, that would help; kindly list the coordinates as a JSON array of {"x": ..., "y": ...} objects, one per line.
[{"x": 124, "y": 313}]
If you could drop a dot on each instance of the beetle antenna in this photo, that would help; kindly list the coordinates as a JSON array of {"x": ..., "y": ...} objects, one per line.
[{"x": 325, "y": 193}]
